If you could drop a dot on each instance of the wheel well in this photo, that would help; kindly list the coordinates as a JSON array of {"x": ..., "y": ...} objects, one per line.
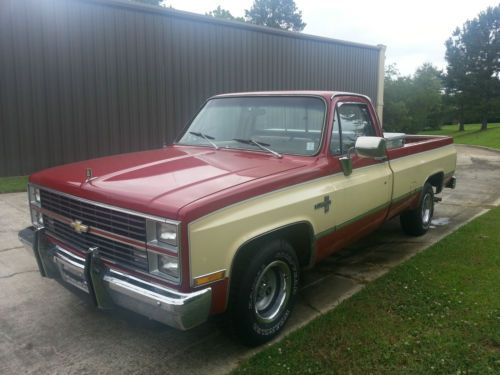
[
  {"x": 437, "y": 181},
  {"x": 299, "y": 236}
]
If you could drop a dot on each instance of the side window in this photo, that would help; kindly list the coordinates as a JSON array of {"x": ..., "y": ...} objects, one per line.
[{"x": 352, "y": 120}]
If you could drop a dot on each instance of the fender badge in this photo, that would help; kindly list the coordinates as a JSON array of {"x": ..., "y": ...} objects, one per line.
[
  {"x": 325, "y": 204},
  {"x": 79, "y": 227}
]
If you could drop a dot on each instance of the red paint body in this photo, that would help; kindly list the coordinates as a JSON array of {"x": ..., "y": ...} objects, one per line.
[{"x": 187, "y": 182}]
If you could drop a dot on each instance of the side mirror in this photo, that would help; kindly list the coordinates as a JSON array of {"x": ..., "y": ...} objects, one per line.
[
  {"x": 370, "y": 148},
  {"x": 365, "y": 147}
]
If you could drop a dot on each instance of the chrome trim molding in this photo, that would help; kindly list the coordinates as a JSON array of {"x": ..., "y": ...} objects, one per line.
[{"x": 179, "y": 310}]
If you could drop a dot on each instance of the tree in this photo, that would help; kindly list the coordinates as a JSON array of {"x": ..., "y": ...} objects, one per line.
[
  {"x": 397, "y": 90},
  {"x": 279, "y": 14},
  {"x": 150, "y": 2},
  {"x": 473, "y": 78},
  {"x": 412, "y": 104},
  {"x": 224, "y": 14},
  {"x": 457, "y": 82},
  {"x": 427, "y": 103}
]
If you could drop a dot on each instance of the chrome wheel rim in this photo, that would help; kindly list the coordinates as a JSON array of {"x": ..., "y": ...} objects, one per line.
[
  {"x": 272, "y": 291},
  {"x": 426, "y": 209}
]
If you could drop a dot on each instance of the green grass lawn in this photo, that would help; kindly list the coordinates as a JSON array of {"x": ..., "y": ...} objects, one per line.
[
  {"x": 472, "y": 134},
  {"x": 13, "y": 184},
  {"x": 438, "y": 313}
]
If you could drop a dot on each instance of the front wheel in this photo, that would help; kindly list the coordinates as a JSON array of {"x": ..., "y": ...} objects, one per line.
[
  {"x": 417, "y": 222},
  {"x": 263, "y": 295}
]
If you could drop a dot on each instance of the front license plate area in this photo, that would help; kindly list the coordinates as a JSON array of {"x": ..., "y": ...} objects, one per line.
[
  {"x": 73, "y": 279},
  {"x": 71, "y": 269}
]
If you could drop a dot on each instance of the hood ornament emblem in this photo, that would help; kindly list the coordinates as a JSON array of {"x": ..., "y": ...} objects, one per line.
[{"x": 89, "y": 175}]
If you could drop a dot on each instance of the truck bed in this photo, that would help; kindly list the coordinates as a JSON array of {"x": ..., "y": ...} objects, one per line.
[{"x": 419, "y": 143}]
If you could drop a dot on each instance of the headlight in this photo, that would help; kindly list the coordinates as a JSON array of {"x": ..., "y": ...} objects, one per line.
[
  {"x": 168, "y": 265},
  {"x": 166, "y": 233},
  {"x": 163, "y": 233},
  {"x": 34, "y": 195},
  {"x": 164, "y": 265},
  {"x": 163, "y": 248}
]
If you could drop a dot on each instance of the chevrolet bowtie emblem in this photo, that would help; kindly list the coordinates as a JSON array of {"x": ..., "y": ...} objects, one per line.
[{"x": 79, "y": 227}]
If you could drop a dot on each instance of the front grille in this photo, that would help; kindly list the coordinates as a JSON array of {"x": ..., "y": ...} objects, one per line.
[
  {"x": 125, "y": 255},
  {"x": 117, "y": 222}
]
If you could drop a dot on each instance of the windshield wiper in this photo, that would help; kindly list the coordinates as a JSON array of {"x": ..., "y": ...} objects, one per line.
[
  {"x": 260, "y": 145},
  {"x": 206, "y": 137}
]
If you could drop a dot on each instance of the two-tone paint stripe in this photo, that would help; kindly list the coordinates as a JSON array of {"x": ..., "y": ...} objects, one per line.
[{"x": 372, "y": 211}]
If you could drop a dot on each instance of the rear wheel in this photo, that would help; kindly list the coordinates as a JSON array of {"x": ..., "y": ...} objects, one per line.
[
  {"x": 417, "y": 222},
  {"x": 263, "y": 294}
]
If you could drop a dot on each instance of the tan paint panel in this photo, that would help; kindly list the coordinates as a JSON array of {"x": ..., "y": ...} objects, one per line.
[
  {"x": 364, "y": 190},
  {"x": 215, "y": 238},
  {"x": 411, "y": 172}
]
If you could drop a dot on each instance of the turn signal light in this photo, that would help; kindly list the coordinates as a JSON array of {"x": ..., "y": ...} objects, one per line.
[{"x": 211, "y": 277}]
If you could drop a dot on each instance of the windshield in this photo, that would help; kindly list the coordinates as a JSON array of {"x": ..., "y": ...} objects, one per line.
[{"x": 284, "y": 125}]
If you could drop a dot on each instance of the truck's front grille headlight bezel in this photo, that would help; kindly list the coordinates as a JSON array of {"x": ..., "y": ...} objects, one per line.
[
  {"x": 36, "y": 217},
  {"x": 164, "y": 253},
  {"x": 34, "y": 195},
  {"x": 166, "y": 233},
  {"x": 154, "y": 229},
  {"x": 35, "y": 205},
  {"x": 164, "y": 265}
]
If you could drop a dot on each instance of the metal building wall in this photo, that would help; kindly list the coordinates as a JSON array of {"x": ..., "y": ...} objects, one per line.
[{"x": 86, "y": 78}]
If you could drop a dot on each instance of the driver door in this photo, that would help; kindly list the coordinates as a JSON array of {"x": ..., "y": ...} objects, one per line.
[{"x": 360, "y": 201}]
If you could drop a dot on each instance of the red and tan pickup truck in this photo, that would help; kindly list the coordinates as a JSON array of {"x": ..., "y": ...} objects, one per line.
[{"x": 257, "y": 187}]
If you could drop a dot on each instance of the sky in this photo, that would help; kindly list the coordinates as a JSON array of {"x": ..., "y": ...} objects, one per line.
[{"x": 413, "y": 31}]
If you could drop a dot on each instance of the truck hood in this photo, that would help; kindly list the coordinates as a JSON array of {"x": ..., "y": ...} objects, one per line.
[{"x": 161, "y": 182}]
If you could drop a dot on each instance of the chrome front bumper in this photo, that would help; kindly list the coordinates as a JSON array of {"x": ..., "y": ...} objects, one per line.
[{"x": 108, "y": 287}]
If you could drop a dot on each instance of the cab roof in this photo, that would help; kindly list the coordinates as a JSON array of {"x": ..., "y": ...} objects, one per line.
[{"x": 327, "y": 95}]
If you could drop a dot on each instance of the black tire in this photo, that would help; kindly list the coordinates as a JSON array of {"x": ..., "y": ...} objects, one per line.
[
  {"x": 417, "y": 222},
  {"x": 263, "y": 291}
]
